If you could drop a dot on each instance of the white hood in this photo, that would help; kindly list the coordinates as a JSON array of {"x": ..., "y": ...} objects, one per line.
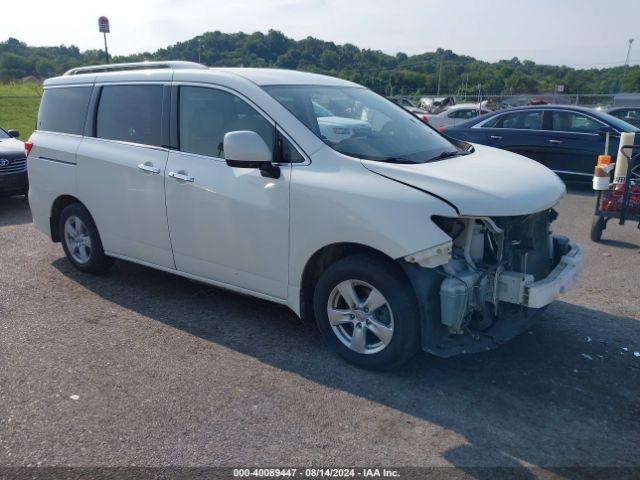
[{"x": 488, "y": 182}]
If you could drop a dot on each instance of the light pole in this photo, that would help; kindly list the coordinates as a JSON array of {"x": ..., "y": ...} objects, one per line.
[{"x": 626, "y": 62}]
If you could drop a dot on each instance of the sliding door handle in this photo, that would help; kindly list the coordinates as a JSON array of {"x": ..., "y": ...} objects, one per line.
[
  {"x": 495, "y": 137},
  {"x": 148, "y": 167},
  {"x": 556, "y": 142},
  {"x": 181, "y": 175}
]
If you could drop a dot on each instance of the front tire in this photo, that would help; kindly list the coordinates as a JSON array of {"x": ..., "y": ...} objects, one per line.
[
  {"x": 367, "y": 312},
  {"x": 81, "y": 240}
]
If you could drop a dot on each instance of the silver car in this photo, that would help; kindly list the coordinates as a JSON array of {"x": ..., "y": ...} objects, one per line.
[{"x": 456, "y": 114}]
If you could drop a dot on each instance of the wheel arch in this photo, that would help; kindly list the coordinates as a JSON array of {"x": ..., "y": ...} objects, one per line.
[
  {"x": 58, "y": 205},
  {"x": 326, "y": 256}
]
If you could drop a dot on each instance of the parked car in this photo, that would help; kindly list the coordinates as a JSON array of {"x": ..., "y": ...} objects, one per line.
[
  {"x": 457, "y": 114},
  {"x": 394, "y": 240},
  {"x": 404, "y": 102},
  {"x": 336, "y": 129},
  {"x": 13, "y": 164},
  {"x": 628, "y": 114},
  {"x": 437, "y": 104},
  {"x": 567, "y": 139},
  {"x": 410, "y": 107}
]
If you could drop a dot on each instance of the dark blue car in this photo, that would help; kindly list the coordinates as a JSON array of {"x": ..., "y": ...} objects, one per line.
[{"x": 566, "y": 139}]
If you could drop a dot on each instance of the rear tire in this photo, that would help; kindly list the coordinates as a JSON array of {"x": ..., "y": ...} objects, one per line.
[
  {"x": 382, "y": 337},
  {"x": 81, "y": 240},
  {"x": 598, "y": 224}
]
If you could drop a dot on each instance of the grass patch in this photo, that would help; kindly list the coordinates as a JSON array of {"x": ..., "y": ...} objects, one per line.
[{"x": 19, "y": 107}]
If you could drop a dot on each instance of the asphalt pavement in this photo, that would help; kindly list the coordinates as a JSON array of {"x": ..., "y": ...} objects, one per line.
[{"x": 139, "y": 367}]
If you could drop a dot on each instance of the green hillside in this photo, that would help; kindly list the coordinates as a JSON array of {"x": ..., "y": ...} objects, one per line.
[{"x": 398, "y": 74}]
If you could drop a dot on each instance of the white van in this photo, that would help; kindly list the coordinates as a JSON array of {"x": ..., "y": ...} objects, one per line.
[{"x": 391, "y": 235}]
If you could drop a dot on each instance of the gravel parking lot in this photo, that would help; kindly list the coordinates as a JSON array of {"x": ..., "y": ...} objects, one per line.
[{"x": 139, "y": 367}]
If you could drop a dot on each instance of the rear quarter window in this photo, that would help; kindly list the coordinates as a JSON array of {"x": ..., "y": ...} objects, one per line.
[{"x": 64, "y": 110}]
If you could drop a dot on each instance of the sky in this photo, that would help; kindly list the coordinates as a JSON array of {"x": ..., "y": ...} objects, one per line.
[{"x": 577, "y": 33}]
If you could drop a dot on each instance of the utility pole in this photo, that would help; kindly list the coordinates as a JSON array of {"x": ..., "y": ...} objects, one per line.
[
  {"x": 439, "y": 78},
  {"x": 626, "y": 62},
  {"x": 103, "y": 27}
]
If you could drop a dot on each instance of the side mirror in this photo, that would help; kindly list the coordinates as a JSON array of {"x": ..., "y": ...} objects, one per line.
[
  {"x": 13, "y": 133},
  {"x": 246, "y": 149}
]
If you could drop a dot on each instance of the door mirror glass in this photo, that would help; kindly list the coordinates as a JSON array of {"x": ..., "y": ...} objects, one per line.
[
  {"x": 13, "y": 133},
  {"x": 246, "y": 149}
]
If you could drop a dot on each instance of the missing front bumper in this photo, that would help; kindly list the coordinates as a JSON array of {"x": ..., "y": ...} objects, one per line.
[
  {"x": 522, "y": 289},
  {"x": 521, "y": 300}
]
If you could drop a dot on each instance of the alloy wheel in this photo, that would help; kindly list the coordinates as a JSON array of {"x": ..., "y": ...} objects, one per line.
[
  {"x": 360, "y": 316},
  {"x": 77, "y": 239}
]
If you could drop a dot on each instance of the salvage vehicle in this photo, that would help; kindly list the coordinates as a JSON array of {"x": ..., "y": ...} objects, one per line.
[
  {"x": 409, "y": 106},
  {"x": 567, "y": 139},
  {"x": 457, "y": 114},
  {"x": 13, "y": 164},
  {"x": 392, "y": 240}
]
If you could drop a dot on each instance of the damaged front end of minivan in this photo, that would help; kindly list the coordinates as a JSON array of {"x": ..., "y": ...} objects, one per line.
[{"x": 489, "y": 282}]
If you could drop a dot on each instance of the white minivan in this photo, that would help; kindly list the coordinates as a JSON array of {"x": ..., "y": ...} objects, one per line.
[{"x": 390, "y": 235}]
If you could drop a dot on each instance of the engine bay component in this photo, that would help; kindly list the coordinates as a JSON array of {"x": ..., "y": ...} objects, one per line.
[
  {"x": 459, "y": 295},
  {"x": 493, "y": 262}
]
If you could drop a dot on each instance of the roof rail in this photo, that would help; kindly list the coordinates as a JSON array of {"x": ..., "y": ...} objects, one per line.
[{"x": 118, "y": 67}]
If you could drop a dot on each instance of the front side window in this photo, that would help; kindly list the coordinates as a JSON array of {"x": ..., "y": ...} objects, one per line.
[
  {"x": 4, "y": 135},
  {"x": 130, "y": 113},
  {"x": 359, "y": 123},
  {"x": 64, "y": 110},
  {"x": 573, "y": 122},
  {"x": 207, "y": 114}
]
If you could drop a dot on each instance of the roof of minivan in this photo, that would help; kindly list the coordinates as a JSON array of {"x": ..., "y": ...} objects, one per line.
[
  {"x": 259, "y": 76},
  {"x": 276, "y": 76}
]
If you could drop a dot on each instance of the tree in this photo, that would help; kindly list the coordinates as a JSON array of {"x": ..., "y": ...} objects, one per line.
[
  {"x": 375, "y": 69},
  {"x": 631, "y": 81}
]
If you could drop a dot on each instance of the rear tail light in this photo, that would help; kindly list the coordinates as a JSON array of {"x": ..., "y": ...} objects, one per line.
[
  {"x": 441, "y": 129},
  {"x": 424, "y": 118},
  {"x": 28, "y": 145}
]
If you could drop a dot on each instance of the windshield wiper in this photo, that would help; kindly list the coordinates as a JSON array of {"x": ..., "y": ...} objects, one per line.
[
  {"x": 396, "y": 160},
  {"x": 444, "y": 155},
  {"x": 386, "y": 159}
]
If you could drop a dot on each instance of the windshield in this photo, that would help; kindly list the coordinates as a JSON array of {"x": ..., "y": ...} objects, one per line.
[
  {"x": 359, "y": 123},
  {"x": 320, "y": 111},
  {"x": 4, "y": 135}
]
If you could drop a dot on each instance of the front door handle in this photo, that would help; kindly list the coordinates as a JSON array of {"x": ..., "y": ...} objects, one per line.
[
  {"x": 556, "y": 142},
  {"x": 495, "y": 137},
  {"x": 148, "y": 167},
  {"x": 181, "y": 175}
]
